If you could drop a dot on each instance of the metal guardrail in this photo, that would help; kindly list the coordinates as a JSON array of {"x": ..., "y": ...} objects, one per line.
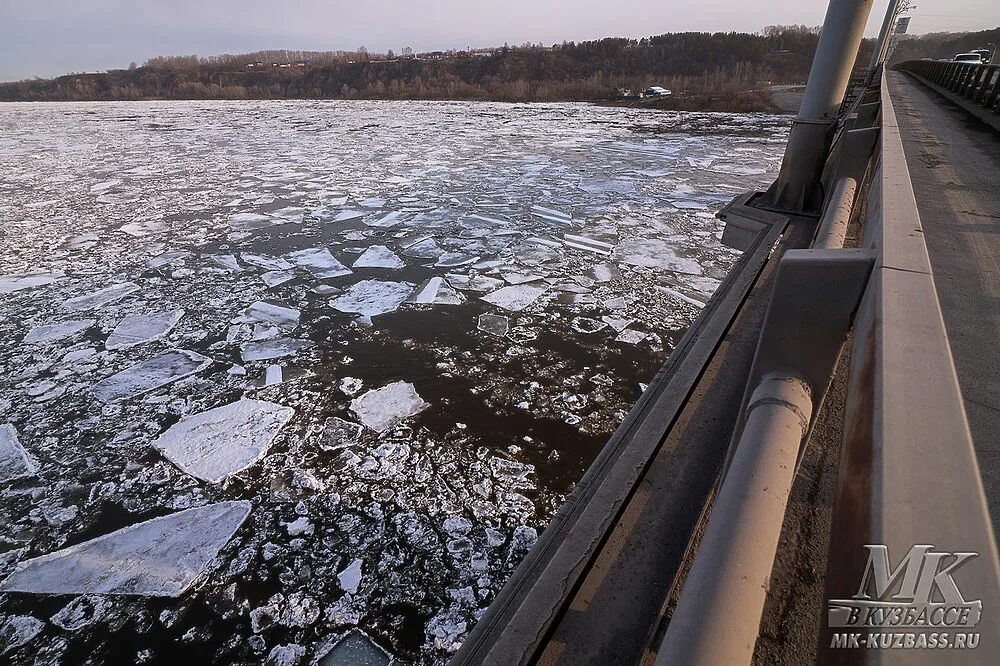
[{"x": 973, "y": 86}]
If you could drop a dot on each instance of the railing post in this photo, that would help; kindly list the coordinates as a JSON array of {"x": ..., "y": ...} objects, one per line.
[{"x": 798, "y": 187}]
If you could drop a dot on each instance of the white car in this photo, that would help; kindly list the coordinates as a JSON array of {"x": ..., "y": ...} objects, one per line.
[{"x": 972, "y": 58}]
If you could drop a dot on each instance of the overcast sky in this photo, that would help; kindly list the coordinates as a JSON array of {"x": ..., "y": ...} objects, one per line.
[{"x": 49, "y": 37}]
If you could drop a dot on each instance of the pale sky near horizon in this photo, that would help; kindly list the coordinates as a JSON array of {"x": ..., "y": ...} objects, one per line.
[{"x": 51, "y": 37}]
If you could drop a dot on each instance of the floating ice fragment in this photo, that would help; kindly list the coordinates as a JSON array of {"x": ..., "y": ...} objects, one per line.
[
  {"x": 381, "y": 409},
  {"x": 447, "y": 630},
  {"x": 588, "y": 244},
  {"x": 159, "y": 557},
  {"x": 249, "y": 221},
  {"x": 604, "y": 186},
  {"x": 478, "y": 283},
  {"x": 285, "y": 655},
  {"x": 53, "y": 332},
  {"x": 274, "y": 278},
  {"x": 378, "y": 256},
  {"x": 167, "y": 259},
  {"x": 355, "y": 649},
  {"x": 521, "y": 278},
  {"x": 436, "y": 291},
  {"x": 426, "y": 248},
  {"x": 587, "y": 325},
  {"x": 217, "y": 443},
  {"x": 631, "y": 336},
  {"x": 266, "y": 262},
  {"x": 493, "y": 324},
  {"x": 101, "y": 297},
  {"x": 286, "y": 318},
  {"x": 372, "y": 297},
  {"x": 338, "y": 433},
  {"x": 516, "y": 297},
  {"x": 14, "y": 460},
  {"x": 265, "y": 350},
  {"x": 319, "y": 262},
  {"x": 350, "y": 385},
  {"x": 655, "y": 253},
  {"x": 386, "y": 221},
  {"x": 150, "y": 374},
  {"x": 676, "y": 294},
  {"x": 17, "y": 282},
  {"x": 272, "y": 375},
  {"x": 689, "y": 205},
  {"x": 82, "y": 612},
  {"x": 455, "y": 259},
  {"x": 17, "y": 630},
  {"x": 350, "y": 578},
  {"x": 617, "y": 323},
  {"x": 138, "y": 328},
  {"x": 104, "y": 186},
  {"x": 551, "y": 214},
  {"x": 227, "y": 261},
  {"x": 605, "y": 272},
  {"x": 345, "y": 215}
]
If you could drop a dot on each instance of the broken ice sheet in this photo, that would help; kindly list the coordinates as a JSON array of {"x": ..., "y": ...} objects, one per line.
[
  {"x": 217, "y": 443},
  {"x": 372, "y": 297},
  {"x": 17, "y": 282},
  {"x": 138, "y": 328},
  {"x": 286, "y": 318},
  {"x": 159, "y": 557},
  {"x": 350, "y": 578},
  {"x": 101, "y": 297},
  {"x": 14, "y": 460},
  {"x": 516, "y": 297},
  {"x": 265, "y": 350},
  {"x": 631, "y": 336},
  {"x": 274, "y": 278},
  {"x": 493, "y": 324},
  {"x": 338, "y": 434},
  {"x": 355, "y": 649},
  {"x": 381, "y": 409},
  {"x": 150, "y": 374},
  {"x": 655, "y": 253},
  {"x": 319, "y": 262},
  {"x": 436, "y": 291},
  {"x": 426, "y": 248},
  {"x": 53, "y": 332},
  {"x": 378, "y": 256}
]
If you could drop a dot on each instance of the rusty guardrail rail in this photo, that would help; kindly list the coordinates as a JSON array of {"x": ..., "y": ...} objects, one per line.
[{"x": 975, "y": 87}]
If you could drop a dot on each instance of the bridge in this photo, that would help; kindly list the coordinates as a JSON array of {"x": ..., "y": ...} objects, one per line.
[{"x": 835, "y": 409}]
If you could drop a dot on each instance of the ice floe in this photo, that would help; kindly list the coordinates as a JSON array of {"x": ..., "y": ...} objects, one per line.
[
  {"x": 372, "y": 297},
  {"x": 159, "y": 557},
  {"x": 14, "y": 460},
  {"x": 266, "y": 350},
  {"x": 436, "y": 291},
  {"x": 101, "y": 297},
  {"x": 515, "y": 297},
  {"x": 59, "y": 331},
  {"x": 381, "y": 409},
  {"x": 655, "y": 253},
  {"x": 319, "y": 262},
  {"x": 283, "y": 317},
  {"x": 378, "y": 256},
  {"x": 17, "y": 282},
  {"x": 220, "y": 442},
  {"x": 150, "y": 374},
  {"x": 138, "y": 328}
]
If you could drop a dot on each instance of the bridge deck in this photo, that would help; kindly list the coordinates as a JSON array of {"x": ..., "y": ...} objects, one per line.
[{"x": 954, "y": 163}]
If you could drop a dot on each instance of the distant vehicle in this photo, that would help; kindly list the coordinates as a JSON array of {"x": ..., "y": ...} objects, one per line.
[
  {"x": 973, "y": 58},
  {"x": 656, "y": 91},
  {"x": 986, "y": 55}
]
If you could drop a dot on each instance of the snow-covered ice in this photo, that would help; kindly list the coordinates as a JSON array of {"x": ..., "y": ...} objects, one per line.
[
  {"x": 138, "y": 328},
  {"x": 14, "y": 460},
  {"x": 150, "y": 374},
  {"x": 159, "y": 557},
  {"x": 320, "y": 262},
  {"x": 372, "y": 297},
  {"x": 515, "y": 297},
  {"x": 219, "y": 442},
  {"x": 378, "y": 256},
  {"x": 382, "y": 408}
]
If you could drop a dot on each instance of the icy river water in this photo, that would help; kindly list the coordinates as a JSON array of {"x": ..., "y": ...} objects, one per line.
[{"x": 301, "y": 382}]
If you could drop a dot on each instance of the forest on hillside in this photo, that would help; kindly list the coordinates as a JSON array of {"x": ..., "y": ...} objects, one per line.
[
  {"x": 940, "y": 45},
  {"x": 695, "y": 65}
]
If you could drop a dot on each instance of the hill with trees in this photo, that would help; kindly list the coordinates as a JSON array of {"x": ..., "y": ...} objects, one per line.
[{"x": 720, "y": 69}]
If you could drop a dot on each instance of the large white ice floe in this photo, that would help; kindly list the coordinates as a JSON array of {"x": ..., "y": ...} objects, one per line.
[
  {"x": 319, "y": 262},
  {"x": 381, "y": 409},
  {"x": 159, "y": 557},
  {"x": 220, "y": 442},
  {"x": 59, "y": 331},
  {"x": 379, "y": 256},
  {"x": 286, "y": 318},
  {"x": 101, "y": 297},
  {"x": 655, "y": 253},
  {"x": 138, "y": 328},
  {"x": 372, "y": 297},
  {"x": 14, "y": 460},
  {"x": 150, "y": 374},
  {"x": 265, "y": 350},
  {"x": 516, "y": 297},
  {"x": 17, "y": 282},
  {"x": 436, "y": 291}
]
